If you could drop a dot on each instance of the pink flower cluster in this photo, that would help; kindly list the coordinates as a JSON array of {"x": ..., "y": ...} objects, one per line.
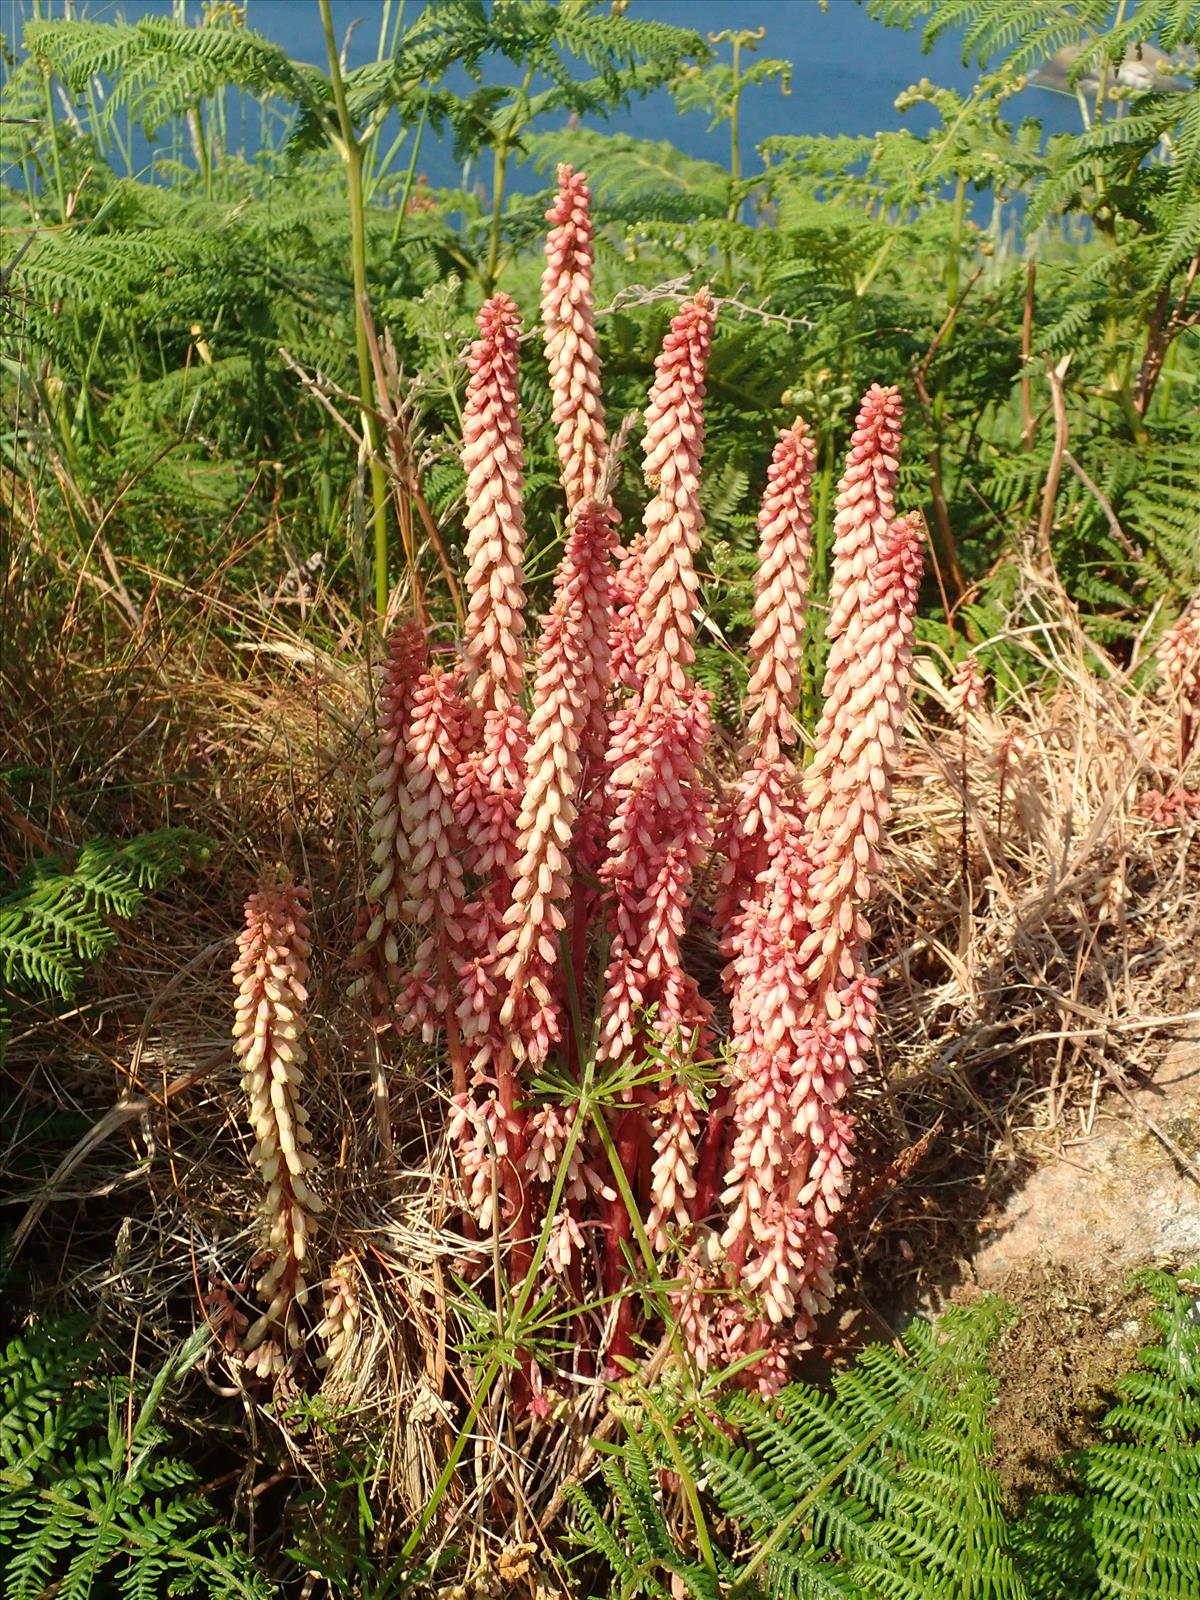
[
  {"x": 270, "y": 976},
  {"x": 537, "y": 868}
]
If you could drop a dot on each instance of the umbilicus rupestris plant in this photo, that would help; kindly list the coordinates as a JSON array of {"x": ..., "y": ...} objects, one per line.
[
  {"x": 565, "y": 853},
  {"x": 270, "y": 974}
]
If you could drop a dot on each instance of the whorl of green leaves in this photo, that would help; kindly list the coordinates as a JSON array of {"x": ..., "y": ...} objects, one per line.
[{"x": 94, "y": 1502}]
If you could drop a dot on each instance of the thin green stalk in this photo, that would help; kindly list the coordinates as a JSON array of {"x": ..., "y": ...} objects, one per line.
[
  {"x": 496, "y": 1360},
  {"x": 390, "y": 30},
  {"x": 56, "y": 159},
  {"x": 734, "y": 212},
  {"x": 410, "y": 175},
  {"x": 954, "y": 256},
  {"x": 500, "y": 154},
  {"x": 351, "y": 153}
]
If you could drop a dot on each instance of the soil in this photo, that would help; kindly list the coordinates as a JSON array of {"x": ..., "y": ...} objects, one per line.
[{"x": 1057, "y": 1368}]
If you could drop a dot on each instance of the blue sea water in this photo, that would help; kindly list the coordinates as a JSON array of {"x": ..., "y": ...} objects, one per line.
[{"x": 848, "y": 68}]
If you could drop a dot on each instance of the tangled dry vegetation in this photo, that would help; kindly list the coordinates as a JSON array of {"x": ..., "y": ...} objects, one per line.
[{"x": 1035, "y": 947}]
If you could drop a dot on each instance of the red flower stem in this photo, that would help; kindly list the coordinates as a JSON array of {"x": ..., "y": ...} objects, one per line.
[{"x": 712, "y": 1154}]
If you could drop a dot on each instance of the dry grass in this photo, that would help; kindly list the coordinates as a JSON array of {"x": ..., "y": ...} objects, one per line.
[{"x": 1036, "y": 937}]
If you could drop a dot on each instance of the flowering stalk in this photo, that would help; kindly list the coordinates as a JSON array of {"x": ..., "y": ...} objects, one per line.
[
  {"x": 968, "y": 687},
  {"x": 343, "y": 1311},
  {"x": 802, "y": 1002},
  {"x": 781, "y": 594},
  {"x": 1179, "y": 666},
  {"x": 491, "y": 776},
  {"x": 659, "y": 833},
  {"x": 766, "y": 787},
  {"x": 865, "y": 505},
  {"x": 377, "y": 951},
  {"x": 270, "y": 974},
  {"x": 433, "y": 886},
  {"x": 571, "y": 684},
  {"x": 864, "y": 511},
  {"x": 570, "y": 336}
]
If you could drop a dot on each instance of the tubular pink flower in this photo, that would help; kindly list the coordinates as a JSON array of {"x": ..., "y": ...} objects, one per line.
[
  {"x": 659, "y": 835},
  {"x": 672, "y": 450},
  {"x": 802, "y": 1005},
  {"x": 343, "y": 1312},
  {"x": 781, "y": 594},
  {"x": 493, "y": 459},
  {"x": 626, "y": 628},
  {"x": 570, "y": 336},
  {"x": 569, "y": 693},
  {"x": 658, "y": 830},
  {"x": 270, "y": 973},
  {"x": 433, "y": 901},
  {"x": 765, "y": 792},
  {"x": 865, "y": 698},
  {"x": 377, "y": 952},
  {"x": 491, "y": 777}
]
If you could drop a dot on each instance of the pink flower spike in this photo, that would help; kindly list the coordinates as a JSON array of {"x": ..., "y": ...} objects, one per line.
[
  {"x": 271, "y": 974},
  {"x": 865, "y": 503},
  {"x": 865, "y": 699},
  {"x": 570, "y": 336},
  {"x": 968, "y": 687},
  {"x": 493, "y": 460},
  {"x": 672, "y": 450},
  {"x": 781, "y": 593},
  {"x": 377, "y": 953},
  {"x": 433, "y": 902},
  {"x": 569, "y": 693}
]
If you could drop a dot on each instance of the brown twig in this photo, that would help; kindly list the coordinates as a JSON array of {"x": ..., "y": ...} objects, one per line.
[{"x": 1045, "y": 555}]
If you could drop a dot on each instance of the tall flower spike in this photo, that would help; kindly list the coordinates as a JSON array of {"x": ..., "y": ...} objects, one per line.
[
  {"x": 658, "y": 832},
  {"x": 377, "y": 954},
  {"x": 570, "y": 334},
  {"x": 767, "y": 788},
  {"x": 865, "y": 698},
  {"x": 433, "y": 900},
  {"x": 802, "y": 1005},
  {"x": 864, "y": 514},
  {"x": 968, "y": 687},
  {"x": 495, "y": 518},
  {"x": 781, "y": 593},
  {"x": 491, "y": 777},
  {"x": 865, "y": 503},
  {"x": 1179, "y": 665},
  {"x": 270, "y": 974},
  {"x": 571, "y": 684},
  {"x": 673, "y": 446}
]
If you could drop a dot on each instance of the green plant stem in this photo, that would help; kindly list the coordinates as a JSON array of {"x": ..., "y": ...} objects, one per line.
[
  {"x": 500, "y": 154},
  {"x": 351, "y": 153},
  {"x": 956, "y": 237},
  {"x": 496, "y": 1360},
  {"x": 410, "y": 175}
]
